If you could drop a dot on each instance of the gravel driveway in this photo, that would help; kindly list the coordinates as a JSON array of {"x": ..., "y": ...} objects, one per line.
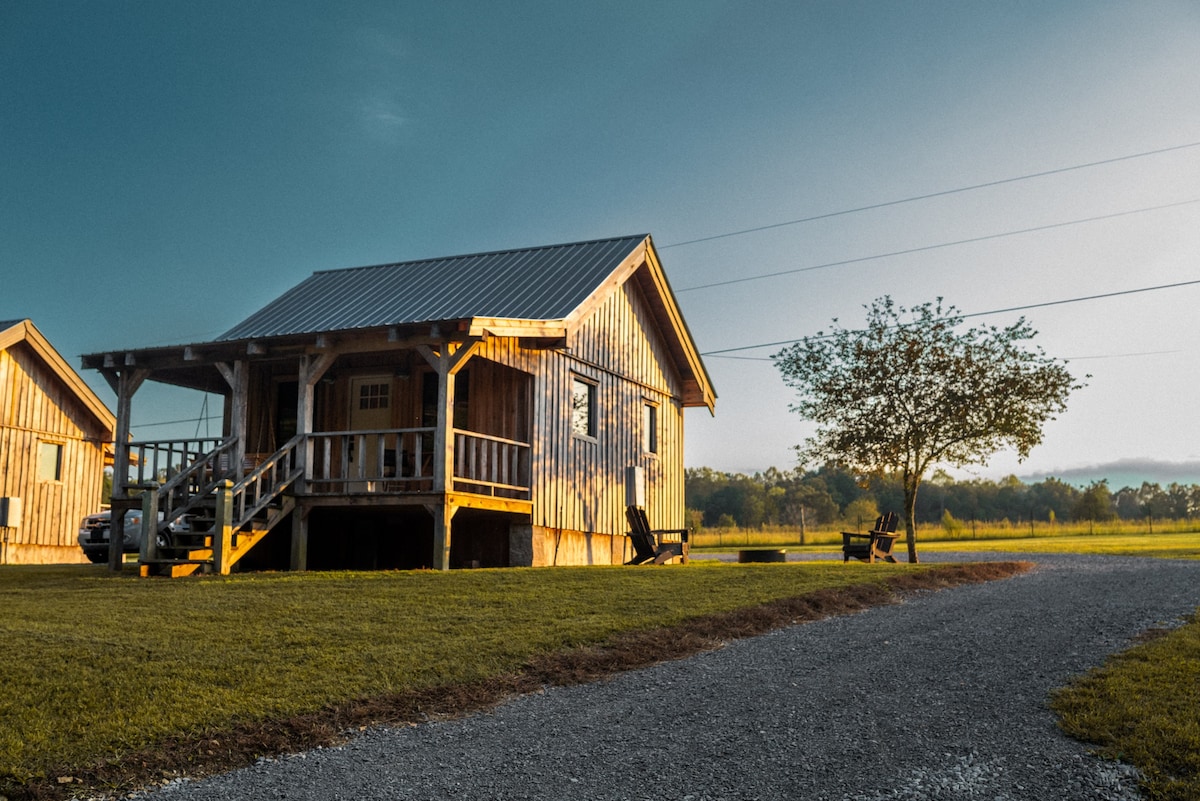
[{"x": 940, "y": 697}]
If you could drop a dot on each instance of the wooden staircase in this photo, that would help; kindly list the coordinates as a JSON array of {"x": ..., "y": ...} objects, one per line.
[{"x": 224, "y": 519}]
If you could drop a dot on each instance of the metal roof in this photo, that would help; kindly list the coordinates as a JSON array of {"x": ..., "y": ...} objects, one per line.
[{"x": 543, "y": 283}]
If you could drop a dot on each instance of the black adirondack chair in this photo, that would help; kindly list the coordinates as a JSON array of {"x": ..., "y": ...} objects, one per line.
[
  {"x": 875, "y": 544},
  {"x": 654, "y": 546}
]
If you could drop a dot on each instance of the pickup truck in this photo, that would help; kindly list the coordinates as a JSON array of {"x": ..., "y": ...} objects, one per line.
[{"x": 94, "y": 533}]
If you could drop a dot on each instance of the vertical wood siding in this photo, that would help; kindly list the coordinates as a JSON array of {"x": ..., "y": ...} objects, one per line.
[
  {"x": 579, "y": 484},
  {"x": 36, "y": 407}
]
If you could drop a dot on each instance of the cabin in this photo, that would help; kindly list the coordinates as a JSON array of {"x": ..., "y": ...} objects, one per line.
[
  {"x": 474, "y": 411},
  {"x": 54, "y": 445}
]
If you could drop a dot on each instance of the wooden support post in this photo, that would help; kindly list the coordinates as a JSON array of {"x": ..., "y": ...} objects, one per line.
[
  {"x": 238, "y": 380},
  {"x": 149, "y": 550},
  {"x": 222, "y": 532},
  {"x": 125, "y": 384},
  {"x": 299, "y": 539},
  {"x": 448, "y": 361},
  {"x": 309, "y": 372},
  {"x": 442, "y": 514}
]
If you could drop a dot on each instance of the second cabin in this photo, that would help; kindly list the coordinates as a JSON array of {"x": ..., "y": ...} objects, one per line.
[{"x": 479, "y": 410}]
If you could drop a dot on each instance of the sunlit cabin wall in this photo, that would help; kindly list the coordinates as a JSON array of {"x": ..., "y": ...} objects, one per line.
[
  {"x": 578, "y": 487},
  {"x": 37, "y": 407}
]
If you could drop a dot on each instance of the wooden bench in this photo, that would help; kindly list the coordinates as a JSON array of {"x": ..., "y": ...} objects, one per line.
[
  {"x": 878, "y": 544},
  {"x": 654, "y": 545}
]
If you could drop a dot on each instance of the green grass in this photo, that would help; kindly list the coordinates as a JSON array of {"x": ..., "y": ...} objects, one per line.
[
  {"x": 97, "y": 665},
  {"x": 1143, "y": 707}
]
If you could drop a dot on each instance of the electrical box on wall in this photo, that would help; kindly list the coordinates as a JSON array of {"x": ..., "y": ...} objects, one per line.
[
  {"x": 635, "y": 487},
  {"x": 10, "y": 512}
]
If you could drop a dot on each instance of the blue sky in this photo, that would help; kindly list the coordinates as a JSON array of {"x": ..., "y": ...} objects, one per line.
[{"x": 168, "y": 168}]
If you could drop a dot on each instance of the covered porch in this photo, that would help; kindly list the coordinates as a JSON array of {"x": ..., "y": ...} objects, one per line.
[{"x": 337, "y": 452}]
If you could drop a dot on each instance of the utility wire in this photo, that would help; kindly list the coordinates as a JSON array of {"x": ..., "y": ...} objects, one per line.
[
  {"x": 926, "y": 248},
  {"x": 964, "y": 316},
  {"x": 942, "y": 193}
]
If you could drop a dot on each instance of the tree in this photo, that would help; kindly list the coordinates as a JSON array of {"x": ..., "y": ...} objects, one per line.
[
  {"x": 1095, "y": 503},
  {"x": 905, "y": 395}
]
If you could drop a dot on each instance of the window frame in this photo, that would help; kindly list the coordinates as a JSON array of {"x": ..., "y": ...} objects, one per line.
[
  {"x": 650, "y": 427},
  {"x": 589, "y": 431},
  {"x": 59, "y": 453}
]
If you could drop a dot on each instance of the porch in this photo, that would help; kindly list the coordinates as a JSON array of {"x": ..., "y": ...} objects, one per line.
[{"x": 206, "y": 502}]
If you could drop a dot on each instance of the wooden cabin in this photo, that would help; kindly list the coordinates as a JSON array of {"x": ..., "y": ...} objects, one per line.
[
  {"x": 478, "y": 410},
  {"x": 54, "y": 444}
]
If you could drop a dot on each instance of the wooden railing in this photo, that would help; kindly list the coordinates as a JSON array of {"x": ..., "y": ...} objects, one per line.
[
  {"x": 264, "y": 483},
  {"x": 386, "y": 460},
  {"x": 491, "y": 465},
  {"x": 163, "y": 461},
  {"x": 401, "y": 460}
]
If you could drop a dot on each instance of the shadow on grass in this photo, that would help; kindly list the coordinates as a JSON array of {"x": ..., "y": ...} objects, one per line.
[{"x": 218, "y": 750}]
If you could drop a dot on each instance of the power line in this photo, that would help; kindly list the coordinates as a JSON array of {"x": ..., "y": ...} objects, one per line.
[
  {"x": 926, "y": 248},
  {"x": 972, "y": 314},
  {"x": 942, "y": 193}
]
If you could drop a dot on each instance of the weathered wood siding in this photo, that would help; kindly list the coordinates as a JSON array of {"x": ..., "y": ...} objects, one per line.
[
  {"x": 36, "y": 407},
  {"x": 579, "y": 483}
]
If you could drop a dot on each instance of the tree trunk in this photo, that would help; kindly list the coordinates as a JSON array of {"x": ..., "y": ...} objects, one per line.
[{"x": 910, "y": 517}]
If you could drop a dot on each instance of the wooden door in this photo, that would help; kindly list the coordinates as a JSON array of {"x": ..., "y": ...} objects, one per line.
[{"x": 370, "y": 410}]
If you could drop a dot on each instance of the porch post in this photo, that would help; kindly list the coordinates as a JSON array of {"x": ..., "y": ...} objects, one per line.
[
  {"x": 125, "y": 384},
  {"x": 299, "y": 538},
  {"x": 238, "y": 380},
  {"x": 442, "y": 514},
  {"x": 448, "y": 361},
  {"x": 310, "y": 371}
]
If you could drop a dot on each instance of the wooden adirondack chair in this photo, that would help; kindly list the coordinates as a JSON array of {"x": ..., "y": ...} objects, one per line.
[
  {"x": 658, "y": 545},
  {"x": 878, "y": 544}
]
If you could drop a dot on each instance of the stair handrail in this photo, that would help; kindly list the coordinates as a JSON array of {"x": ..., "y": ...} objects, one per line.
[
  {"x": 286, "y": 456},
  {"x": 185, "y": 475}
]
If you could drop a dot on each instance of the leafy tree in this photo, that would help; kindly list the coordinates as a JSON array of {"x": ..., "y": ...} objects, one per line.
[
  {"x": 1096, "y": 503},
  {"x": 905, "y": 395}
]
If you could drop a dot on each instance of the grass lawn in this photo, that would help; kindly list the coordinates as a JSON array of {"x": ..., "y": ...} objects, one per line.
[
  {"x": 113, "y": 681},
  {"x": 98, "y": 666}
]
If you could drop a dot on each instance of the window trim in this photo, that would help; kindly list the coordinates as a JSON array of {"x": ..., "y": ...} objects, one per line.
[
  {"x": 650, "y": 427},
  {"x": 60, "y": 454},
  {"x": 590, "y": 435}
]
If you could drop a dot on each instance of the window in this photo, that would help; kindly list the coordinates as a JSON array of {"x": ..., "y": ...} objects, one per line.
[
  {"x": 583, "y": 408},
  {"x": 372, "y": 396},
  {"x": 49, "y": 461},
  {"x": 650, "y": 428}
]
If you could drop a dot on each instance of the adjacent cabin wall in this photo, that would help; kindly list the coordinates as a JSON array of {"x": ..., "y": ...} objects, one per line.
[{"x": 36, "y": 407}]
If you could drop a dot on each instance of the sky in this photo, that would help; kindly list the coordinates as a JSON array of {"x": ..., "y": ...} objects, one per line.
[{"x": 168, "y": 168}]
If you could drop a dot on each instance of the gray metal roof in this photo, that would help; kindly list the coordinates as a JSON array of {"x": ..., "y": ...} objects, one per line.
[{"x": 543, "y": 283}]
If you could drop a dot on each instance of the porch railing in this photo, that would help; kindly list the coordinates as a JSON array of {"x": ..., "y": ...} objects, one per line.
[
  {"x": 162, "y": 461},
  {"x": 491, "y": 465},
  {"x": 388, "y": 460},
  {"x": 384, "y": 461},
  {"x": 401, "y": 460}
]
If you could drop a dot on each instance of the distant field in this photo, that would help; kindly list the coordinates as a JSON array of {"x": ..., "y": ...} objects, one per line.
[{"x": 1171, "y": 539}]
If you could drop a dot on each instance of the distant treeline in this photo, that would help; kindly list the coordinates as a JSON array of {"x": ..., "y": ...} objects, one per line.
[{"x": 833, "y": 493}]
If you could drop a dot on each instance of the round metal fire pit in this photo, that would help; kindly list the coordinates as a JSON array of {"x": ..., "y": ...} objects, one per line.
[{"x": 763, "y": 555}]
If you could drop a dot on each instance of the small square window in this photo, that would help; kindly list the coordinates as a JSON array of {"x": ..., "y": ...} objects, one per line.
[
  {"x": 583, "y": 408},
  {"x": 650, "y": 428},
  {"x": 373, "y": 396},
  {"x": 49, "y": 461}
]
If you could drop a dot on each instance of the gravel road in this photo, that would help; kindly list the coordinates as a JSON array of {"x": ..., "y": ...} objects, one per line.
[{"x": 940, "y": 697}]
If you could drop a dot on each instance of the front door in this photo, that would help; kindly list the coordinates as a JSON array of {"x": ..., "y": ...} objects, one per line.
[{"x": 370, "y": 410}]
